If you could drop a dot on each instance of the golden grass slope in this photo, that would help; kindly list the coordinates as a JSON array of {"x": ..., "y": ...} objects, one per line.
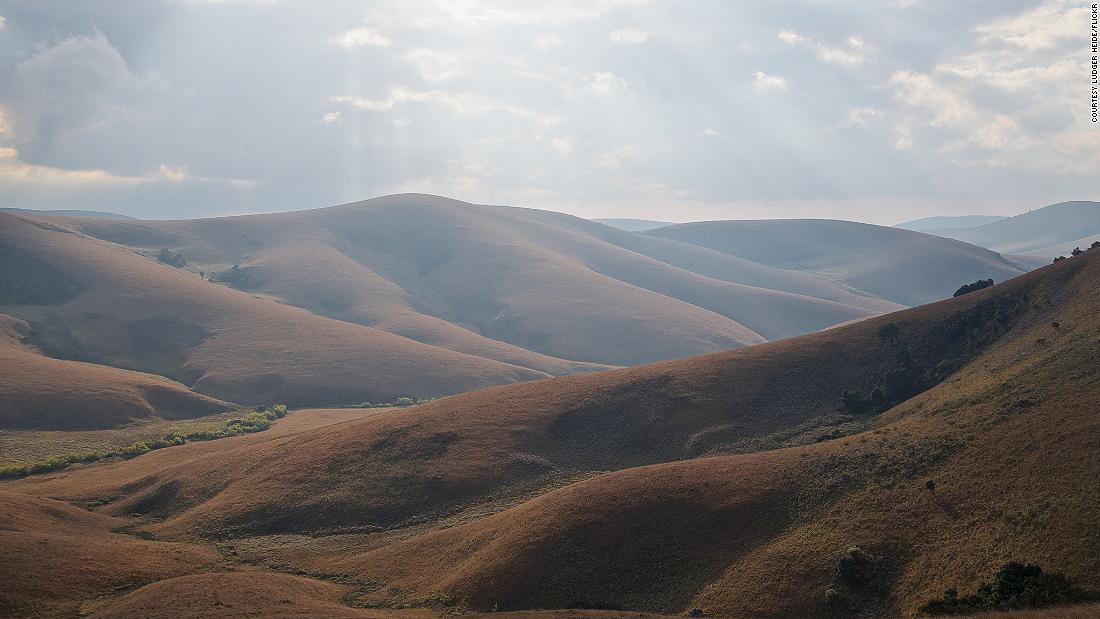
[
  {"x": 702, "y": 483},
  {"x": 40, "y": 392},
  {"x": 90, "y": 300},
  {"x": 1009, "y": 442},
  {"x": 59, "y": 559}
]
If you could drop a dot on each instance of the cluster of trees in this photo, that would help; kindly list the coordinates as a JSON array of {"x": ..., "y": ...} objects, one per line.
[
  {"x": 256, "y": 420},
  {"x": 1016, "y": 586},
  {"x": 1077, "y": 251},
  {"x": 900, "y": 383},
  {"x": 978, "y": 285}
]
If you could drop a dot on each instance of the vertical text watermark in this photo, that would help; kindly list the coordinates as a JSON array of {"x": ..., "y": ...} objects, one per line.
[{"x": 1094, "y": 41}]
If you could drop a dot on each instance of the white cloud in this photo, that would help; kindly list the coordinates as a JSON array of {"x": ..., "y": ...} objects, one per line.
[
  {"x": 3, "y": 22},
  {"x": 710, "y": 132},
  {"x": 605, "y": 83},
  {"x": 547, "y": 42},
  {"x": 628, "y": 36},
  {"x": 461, "y": 177},
  {"x": 435, "y": 66},
  {"x": 1000, "y": 133},
  {"x": 1040, "y": 28},
  {"x": 765, "y": 81},
  {"x": 466, "y": 104},
  {"x": 614, "y": 159},
  {"x": 13, "y": 170},
  {"x": 360, "y": 37},
  {"x": 861, "y": 116},
  {"x": 903, "y": 136},
  {"x": 853, "y": 52},
  {"x": 564, "y": 145},
  {"x": 172, "y": 173},
  {"x": 514, "y": 13},
  {"x": 941, "y": 105},
  {"x": 333, "y": 118}
]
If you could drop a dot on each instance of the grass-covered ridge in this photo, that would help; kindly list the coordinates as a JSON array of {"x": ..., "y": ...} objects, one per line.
[{"x": 247, "y": 422}]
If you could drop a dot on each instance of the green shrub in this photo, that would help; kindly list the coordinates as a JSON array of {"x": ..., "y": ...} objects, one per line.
[
  {"x": 14, "y": 472},
  {"x": 253, "y": 421},
  {"x": 134, "y": 450}
]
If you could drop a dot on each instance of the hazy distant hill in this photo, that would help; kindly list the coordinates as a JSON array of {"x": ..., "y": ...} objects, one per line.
[
  {"x": 532, "y": 288},
  {"x": 632, "y": 225},
  {"x": 66, "y": 213},
  {"x": 929, "y": 224},
  {"x": 416, "y": 295},
  {"x": 1047, "y": 230},
  {"x": 88, "y": 300},
  {"x": 894, "y": 264},
  {"x": 696, "y": 483}
]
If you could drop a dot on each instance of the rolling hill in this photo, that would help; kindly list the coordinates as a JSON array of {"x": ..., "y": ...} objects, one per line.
[
  {"x": 93, "y": 301},
  {"x": 875, "y": 259},
  {"x": 1048, "y": 230},
  {"x": 745, "y": 483},
  {"x": 39, "y": 392},
  {"x": 537, "y": 289},
  {"x": 529, "y": 288}
]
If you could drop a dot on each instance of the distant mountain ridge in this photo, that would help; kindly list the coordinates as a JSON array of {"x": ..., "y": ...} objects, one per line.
[
  {"x": 66, "y": 213},
  {"x": 878, "y": 260},
  {"x": 929, "y": 224},
  {"x": 1048, "y": 230}
]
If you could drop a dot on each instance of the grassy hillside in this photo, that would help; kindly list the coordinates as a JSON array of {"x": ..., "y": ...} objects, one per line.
[
  {"x": 40, "y": 392},
  {"x": 529, "y": 288},
  {"x": 736, "y": 482},
  {"x": 58, "y": 559},
  {"x": 875, "y": 259},
  {"x": 93, "y": 301}
]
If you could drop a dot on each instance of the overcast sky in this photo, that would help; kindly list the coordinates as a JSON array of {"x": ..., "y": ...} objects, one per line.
[{"x": 874, "y": 111}]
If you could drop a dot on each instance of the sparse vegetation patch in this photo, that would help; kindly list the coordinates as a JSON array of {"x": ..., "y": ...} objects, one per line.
[
  {"x": 399, "y": 402},
  {"x": 247, "y": 423}
]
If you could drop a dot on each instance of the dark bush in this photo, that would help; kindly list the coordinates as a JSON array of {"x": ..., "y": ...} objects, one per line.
[
  {"x": 889, "y": 332},
  {"x": 1094, "y": 245},
  {"x": 171, "y": 258},
  {"x": 1017, "y": 586},
  {"x": 854, "y": 402},
  {"x": 1077, "y": 251},
  {"x": 860, "y": 569},
  {"x": 978, "y": 285},
  {"x": 1059, "y": 258}
]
